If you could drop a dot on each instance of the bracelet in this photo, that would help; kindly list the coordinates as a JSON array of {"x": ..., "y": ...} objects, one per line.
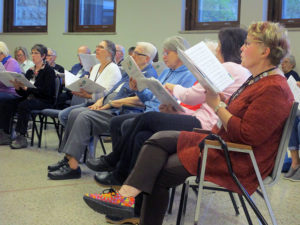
[{"x": 221, "y": 105}]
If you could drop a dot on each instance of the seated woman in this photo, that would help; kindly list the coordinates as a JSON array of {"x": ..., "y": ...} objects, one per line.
[
  {"x": 255, "y": 115},
  {"x": 106, "y": 74},
  {"x": 41, "y": 97},
  {"x": 294, "y": 172},
  {"x": 124, "y": 155}
]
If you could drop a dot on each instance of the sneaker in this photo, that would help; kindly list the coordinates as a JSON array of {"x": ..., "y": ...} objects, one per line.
[
  {"x": 110, "y": 202},
  {"x": 296, "y": 176},
  {"x": 59, "y": 164},
  {"x": 64, "y": 173},
  {"x": 5, "y": 138},
  {"x": 291, "y": 172},
  {"x": 122, "y": 220},
  {"x": 19, "y": 142}
]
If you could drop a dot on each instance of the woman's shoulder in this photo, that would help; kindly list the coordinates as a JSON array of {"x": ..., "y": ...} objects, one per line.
[{"x": 236, "y": 69}]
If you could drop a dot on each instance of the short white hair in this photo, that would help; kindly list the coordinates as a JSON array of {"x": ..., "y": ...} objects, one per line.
[
  {"x": 4, "y": 49},
  {"x": 148, "y": 49}
]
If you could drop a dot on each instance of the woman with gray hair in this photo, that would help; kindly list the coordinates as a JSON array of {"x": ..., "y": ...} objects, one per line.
[{"x": 21, "y": 55}]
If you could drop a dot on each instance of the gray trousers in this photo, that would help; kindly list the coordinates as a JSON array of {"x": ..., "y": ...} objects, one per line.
[{"x": 82, "y": 124}]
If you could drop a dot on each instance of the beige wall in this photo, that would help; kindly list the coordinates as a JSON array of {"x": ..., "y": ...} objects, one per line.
[{"x": 137, "y": 20}]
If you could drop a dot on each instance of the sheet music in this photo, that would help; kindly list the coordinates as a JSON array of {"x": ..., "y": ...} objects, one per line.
[
  {"x": 6, "y": 77},
  {"x": 294, "y": 88},
  {"x": 132, "y": 69},
  {"x": 88, "y": 61},
  {"x": 161, "y": 93},
  {"x": 86, "y": 84},
  {"x": 2, "y": 68},
  {"x": 159, "y": 66},
  {"x": 206, "y": 67},
  {"x": 70, "y": 78}
]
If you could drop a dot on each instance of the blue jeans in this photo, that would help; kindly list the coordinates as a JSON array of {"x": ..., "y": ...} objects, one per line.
[{"x": 294, "y": 143}]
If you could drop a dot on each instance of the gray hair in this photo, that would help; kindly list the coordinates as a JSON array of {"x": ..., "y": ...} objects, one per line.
[
  {"x": 175, "y": 42},
  {"x": 149, "y": 49},
  {"x": 292, "y": 60},
  {"x": 23, "y": 49},
  {"x": 122, "y": 49},
  {"x": 212, "y": 45},
  {"x": 4, "y": 49},
  {"x": 52, "y": 50}
]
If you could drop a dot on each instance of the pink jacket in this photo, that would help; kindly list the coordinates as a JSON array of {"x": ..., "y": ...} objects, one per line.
[{"x": 196, "y": 95}]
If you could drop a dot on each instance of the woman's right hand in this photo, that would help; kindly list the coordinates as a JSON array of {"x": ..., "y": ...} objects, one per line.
[
  {"x": 98, "y": 104},
  {"x": 170, "y": 87}
]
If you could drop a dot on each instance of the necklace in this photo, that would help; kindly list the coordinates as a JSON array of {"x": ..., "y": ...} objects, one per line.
[
  {"x": 98, "y": 74},
  {"x": 248, "y": 82}
]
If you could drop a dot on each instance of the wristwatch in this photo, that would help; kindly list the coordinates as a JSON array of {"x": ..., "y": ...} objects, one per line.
[{"x": 221, "y": 105}]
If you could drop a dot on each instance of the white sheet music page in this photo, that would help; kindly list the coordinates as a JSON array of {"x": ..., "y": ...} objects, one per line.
[
  {"x": 294, "y": 88},
  {"x": 209, "y": 67},
  {"x": 2, "y": 68},
  {"x": 161, "y": 93},
  {"x": 132, "y": 69},
  {"x": 70, "y": 78},
  {"x": 6, "y": 77},
  {"x": 88, "y": 61}
]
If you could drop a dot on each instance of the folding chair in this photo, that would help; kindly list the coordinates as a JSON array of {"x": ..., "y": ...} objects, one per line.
[{"x": 270, "y": 180}]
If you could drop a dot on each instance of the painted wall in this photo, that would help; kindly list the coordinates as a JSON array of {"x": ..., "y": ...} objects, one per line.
[{"x": 137, "y": 20}]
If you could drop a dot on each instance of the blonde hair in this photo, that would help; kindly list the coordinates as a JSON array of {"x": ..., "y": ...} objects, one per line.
[{"x": 274, "y": 36}]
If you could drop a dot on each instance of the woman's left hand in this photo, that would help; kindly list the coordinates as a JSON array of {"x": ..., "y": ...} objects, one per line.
[
  {"x": 82, "y": 93},
  {"x": 18, "y": 85},
  {"x": 212, "y": 99}
]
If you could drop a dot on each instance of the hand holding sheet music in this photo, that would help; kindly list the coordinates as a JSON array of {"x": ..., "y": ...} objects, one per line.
[
  {"x": 88, "y": 61},
  {"x": 83, "y": 83},
  {"x": 161, "y": 93},
  {"x": 7, "y": 77},
  {"x": 206, "y": 67}
]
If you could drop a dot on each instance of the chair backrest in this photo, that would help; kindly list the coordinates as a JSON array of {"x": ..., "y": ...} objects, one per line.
[
  {"x": 285, "y": 138},
  {"x": 58, "y": 86}
]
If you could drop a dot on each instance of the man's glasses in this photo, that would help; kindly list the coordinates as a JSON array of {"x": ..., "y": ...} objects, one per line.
[{"x": 139, "y": 54}]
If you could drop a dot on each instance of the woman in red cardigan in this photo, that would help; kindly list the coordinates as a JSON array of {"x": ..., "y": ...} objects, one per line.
[{"x": 254, "y": 115}]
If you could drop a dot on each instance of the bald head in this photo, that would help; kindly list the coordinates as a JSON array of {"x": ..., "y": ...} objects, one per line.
[{"x": 84, "y": 50}]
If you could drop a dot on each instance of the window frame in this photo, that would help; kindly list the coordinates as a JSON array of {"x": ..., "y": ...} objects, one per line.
[
  {"x": 191, "y": 22},
  {"x": 275, "y": 14},
  {"x": 73, "y": 23},
  {"x": 8, "y": 20}
]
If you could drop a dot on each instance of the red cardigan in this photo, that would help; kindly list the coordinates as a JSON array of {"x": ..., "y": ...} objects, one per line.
[{"x": 259, "y": 114}]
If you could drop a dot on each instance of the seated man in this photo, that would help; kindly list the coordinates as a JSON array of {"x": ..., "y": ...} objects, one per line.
[
  {"x": 119, "y": 54},
  {"x": 287, "y": 65},
  {"x": 77, "y": 69},
  {"x": 51, "y": 57},
  {"x": 95, "y": 119},
  {"x": 21, "y": 55}
]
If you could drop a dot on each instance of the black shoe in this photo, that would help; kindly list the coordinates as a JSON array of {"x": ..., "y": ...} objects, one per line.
[
  {"x": 59, "y": 164},
  {"x": 65, "y": 173},
  {"x": 107, "y": 179},
  {"x": 122, "y": 220},
  {"x": 99, "y": 164}
]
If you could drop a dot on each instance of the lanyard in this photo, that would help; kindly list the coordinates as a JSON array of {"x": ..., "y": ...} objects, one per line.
[
  {"x": 98, "y": 74},
  {"x": 248, "y": 82}
]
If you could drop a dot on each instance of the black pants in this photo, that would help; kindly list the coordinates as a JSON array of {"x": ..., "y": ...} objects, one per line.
[
  {"x": 157, "y": 170},
  {"x": 23, "y": 108},
  {"x": 137, "y": 131}
]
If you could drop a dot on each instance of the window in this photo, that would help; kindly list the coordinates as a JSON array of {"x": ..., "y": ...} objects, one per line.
[
  {"x": 212, "y": 14},
  {"x": 286, "y": 12},
  {"x": 92, "y": 16},
  {"x": 25, "y": 15}
]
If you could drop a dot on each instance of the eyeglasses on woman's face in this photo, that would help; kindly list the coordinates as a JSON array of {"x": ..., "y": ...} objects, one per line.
[
  {"x": 248, "y": 42},
  {"x": 100, "y": 47},
  {"x": 138, "y": 53}
]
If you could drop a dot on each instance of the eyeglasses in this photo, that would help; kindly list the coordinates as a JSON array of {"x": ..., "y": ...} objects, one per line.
[
  {"x": 139, "y": 54},
  {"x": 34, "y": 53},
  {"x": 165, "y": 53},
  {"x": 100, "y": 46},
  {"x": 247, "y": 42}
]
